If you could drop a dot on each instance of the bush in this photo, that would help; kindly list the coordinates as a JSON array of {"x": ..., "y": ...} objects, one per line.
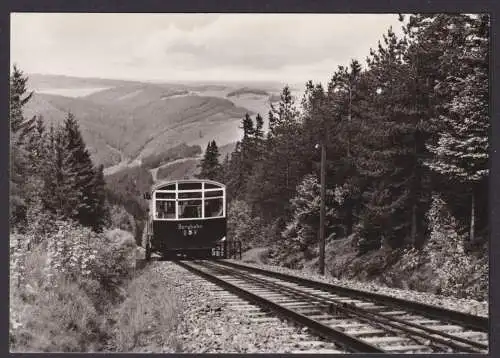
[
  {"x": 58, "y": 320},
  {"x": 61, "y": 289},
  {"x": 122, "y": 219},
  {"x": 243, "y": 226},
  {"x": 443, "y": 265}
]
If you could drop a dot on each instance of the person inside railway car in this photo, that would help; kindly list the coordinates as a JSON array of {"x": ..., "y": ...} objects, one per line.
[
  {"x": 161, "y": 209},
  {"x": 165, "y": 209},
  {"x": 189, "y": 219},
  {"x": 214, "y": 207},
  {"x": 190, "y": 209}
]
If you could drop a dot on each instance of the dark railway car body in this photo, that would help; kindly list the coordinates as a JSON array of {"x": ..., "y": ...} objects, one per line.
[{"x": 187, "y": 218}]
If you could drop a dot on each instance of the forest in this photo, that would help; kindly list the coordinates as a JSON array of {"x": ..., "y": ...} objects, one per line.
[
  {"x": 407, "y": 151},
  {"x": 407, "y": 148},
  {"x": 407, "y": 189}
]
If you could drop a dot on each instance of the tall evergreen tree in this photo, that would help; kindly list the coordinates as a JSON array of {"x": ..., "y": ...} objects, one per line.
[
  {"x": 461, "y": 152},
  {"x": 60, "y": 195},
  {"x": 100, "y": 209},
  {"x": 210, "y": 166},
  {"x": 387, "y": 156},
  {"x": 19, "y": 96},
  {"x": 20, "y": 155},
  {"x": 82, "y": 169},
  {"x": 274, "y": 179}
]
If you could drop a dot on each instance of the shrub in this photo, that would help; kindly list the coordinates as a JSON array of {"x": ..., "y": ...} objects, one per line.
[
  {"x": 116, "y": 259},
  {"x": 62, "y": 288},
  {"x": 456, "y": 272},
  {"x": 58, "y": 320},
  {"x": 242, "y": 225},
  {"x": 122, "y": 219}
]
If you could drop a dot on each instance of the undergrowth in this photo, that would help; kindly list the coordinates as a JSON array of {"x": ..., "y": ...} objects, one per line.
[
  {"x": 146, "y": 321},
  {"x": 62, "y": 285}
]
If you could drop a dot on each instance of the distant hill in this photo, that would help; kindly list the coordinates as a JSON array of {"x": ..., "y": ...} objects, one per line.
[
  {"x": 247, "y": 90},
  {"x": 125, "y": 121},
  {"x": 179, "y": 169},
  {"x": 226, "y": 149},
  {"x": 41, "y": 81}
]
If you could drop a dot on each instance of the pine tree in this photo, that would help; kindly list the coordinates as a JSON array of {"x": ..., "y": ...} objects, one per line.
[
  {"x": 82, "y": 171},
  {"x": 281, "y": 118},
  {"x": 17, "y": 202},
  {"x": 344, "y": 111},
  {"x": 210, "y": 167},
  {"x": 386, "y": 154},
  {"x": 60, "y": 196},
  {"x": 302, "y": 230},
  {"x": 259, "y": 124},
  {"x": 234, "y": 174},
  {"x": 259, "y": 140},
  {"x": 20, "y": 156},
  {"x": 461, "y": 152},
  {"x": 248, "y": 128},
  {"x": 100, "y": 208},
  {"x": 19, "y": 96}
]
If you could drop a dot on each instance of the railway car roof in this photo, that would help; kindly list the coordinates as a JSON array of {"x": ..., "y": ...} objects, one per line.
[{"x": 169, "y": 182}]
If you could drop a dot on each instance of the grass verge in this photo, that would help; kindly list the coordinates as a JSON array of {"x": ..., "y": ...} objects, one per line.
[{"x": 146, "y": 321}]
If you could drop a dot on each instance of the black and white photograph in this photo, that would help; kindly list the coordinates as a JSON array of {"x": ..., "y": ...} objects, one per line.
[{"x": 249, "y": 183}]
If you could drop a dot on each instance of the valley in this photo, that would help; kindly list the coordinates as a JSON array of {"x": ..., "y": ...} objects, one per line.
[{"x": 123, "y": 122}]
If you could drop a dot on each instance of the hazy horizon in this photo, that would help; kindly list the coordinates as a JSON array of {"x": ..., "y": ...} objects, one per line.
[{"x": 277, "y": 48}]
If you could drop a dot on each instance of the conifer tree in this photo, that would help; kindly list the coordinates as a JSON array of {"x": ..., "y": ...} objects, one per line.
[
  {"x": 17, "y": 202},
  {"x": 60, "y": 196},
  {"x": 20, "y": 156},
  {"x": 259, "y": 139},
  {"x": 235, "y": 174},
  {"x": 100, "y": 209},
  {"x": 210, "y": 167},
  {"x": 461, "y": 152},
  {"x": 82, "y": 170},
  {"x": 259, "y": 124},
  {"x": 273, "y": 181},
  {"x": 285, "y": 115},
  {"x": 387, "y": 155},
  {"x": 19, "y": 96},
  {"x": 302, "y": 230}
]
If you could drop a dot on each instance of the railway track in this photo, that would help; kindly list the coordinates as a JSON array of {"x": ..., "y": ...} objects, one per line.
[{"x": 357, "y": 321}]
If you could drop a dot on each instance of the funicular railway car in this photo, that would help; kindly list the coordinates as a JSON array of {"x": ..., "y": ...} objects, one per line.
[{"x": 187, "y": 218}]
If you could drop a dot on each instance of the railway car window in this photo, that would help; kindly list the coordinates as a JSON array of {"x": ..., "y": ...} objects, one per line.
[
  {"x": 189, "y": 186},
  {"x": 192, "y": 195},
  {"x": 165, "y": 209},
  {"x": 211, "y": 186},
  {"x": 213, "y": 208},
  {"x": 189, "y": 209},
  {"x": 160, "y": 195},
  {"x": 167, "y": 187},
  {"x": 211, "y": 194}
]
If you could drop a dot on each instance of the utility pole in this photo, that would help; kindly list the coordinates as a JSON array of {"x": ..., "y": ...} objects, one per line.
[{"x": 322, "y": 211}]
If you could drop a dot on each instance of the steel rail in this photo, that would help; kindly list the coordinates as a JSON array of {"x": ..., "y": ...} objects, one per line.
[
  {"x": 368, "y": 316},
  {"x": 467, "y": 320},
  {"x": 343, "y": 339}
]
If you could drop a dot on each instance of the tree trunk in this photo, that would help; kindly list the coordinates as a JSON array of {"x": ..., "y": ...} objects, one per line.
[
  {"x": 349, "y": 126},
  {"x": 472, "y": 218},
  {"x": 414, "y": 224},
  {"x": 322, "y": 212}
]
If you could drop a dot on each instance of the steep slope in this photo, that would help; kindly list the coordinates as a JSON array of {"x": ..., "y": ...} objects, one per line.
[
  {"x": 124, "y": 121},
  {"x": 93, "y": 122}
]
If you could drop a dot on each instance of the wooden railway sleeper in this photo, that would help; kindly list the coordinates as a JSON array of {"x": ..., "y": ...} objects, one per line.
[{"x": 334, "y": 308}]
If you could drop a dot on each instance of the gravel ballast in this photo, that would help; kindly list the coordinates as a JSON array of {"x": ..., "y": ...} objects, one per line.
[
  {"x": 464, "y": 305},
  {"x": 211, "y": 325}
]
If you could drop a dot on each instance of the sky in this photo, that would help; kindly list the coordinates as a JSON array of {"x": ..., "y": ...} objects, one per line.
[{"x": 291, "y": 48}]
